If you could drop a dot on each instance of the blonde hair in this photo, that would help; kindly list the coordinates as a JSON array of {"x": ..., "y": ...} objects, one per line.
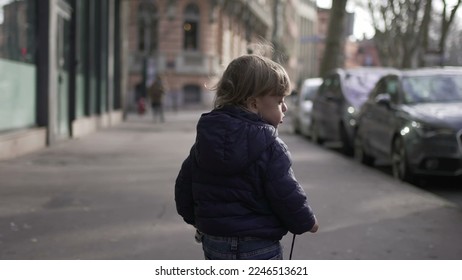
[{"x": 250, "y": 76}]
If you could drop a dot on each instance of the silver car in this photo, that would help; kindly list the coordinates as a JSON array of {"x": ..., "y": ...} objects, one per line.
[{"x": 302, "y": 105}]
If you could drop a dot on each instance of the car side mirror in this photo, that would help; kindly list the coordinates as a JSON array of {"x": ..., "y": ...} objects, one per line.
[{"x": 383, "y": 99}]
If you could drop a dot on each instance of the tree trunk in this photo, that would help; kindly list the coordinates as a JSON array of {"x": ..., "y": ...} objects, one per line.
[
  {"x": 402, "y": 27},
  {"x": 424, "y": 31},
  {"x": 445, "y": 25},
  {"x": 334, "y": 51}
]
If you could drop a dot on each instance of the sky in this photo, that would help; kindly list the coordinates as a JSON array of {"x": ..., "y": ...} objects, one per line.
[
  {"x": 362, "y": 26},
  {"x": 363, "y": 23}
]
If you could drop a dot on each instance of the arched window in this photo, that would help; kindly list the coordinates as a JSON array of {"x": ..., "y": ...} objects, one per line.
[
  {"x": 192, "y": 94},
  {"x": 148, "y": 25},
  {"x": 191, "y": 27}
]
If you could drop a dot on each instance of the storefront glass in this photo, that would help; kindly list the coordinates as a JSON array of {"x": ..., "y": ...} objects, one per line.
[{"x": 17, "y": 64}]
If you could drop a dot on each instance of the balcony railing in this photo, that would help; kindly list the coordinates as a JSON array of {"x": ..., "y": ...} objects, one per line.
[{"x": 187, "y": 62}]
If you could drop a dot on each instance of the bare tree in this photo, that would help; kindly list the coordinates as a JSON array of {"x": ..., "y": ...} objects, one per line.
[
  {"x": 446, "y": 21},
  {"x": 454, "y": 48},
  {"x": 454, "y": 44},
  {"x": 334, "y": 51},
  {"x": 403, "y": 27},
  {"x": 425, "y": 32},
  {"x": 400, "y": 27}
]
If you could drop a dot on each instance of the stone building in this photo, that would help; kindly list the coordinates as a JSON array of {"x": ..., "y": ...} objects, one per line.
[
  {"x": 300, "y": 36},
  {"x": 60, "y": 71},
  {"x": 190, "y": 42}
]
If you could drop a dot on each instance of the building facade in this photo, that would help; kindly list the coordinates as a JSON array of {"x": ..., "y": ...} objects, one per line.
[
  {"x": 190, "y": 42},
  {"x": 60, "y": 74},
  {"x": 305, "y": 59},
  {"x": 69, "y": 67}
]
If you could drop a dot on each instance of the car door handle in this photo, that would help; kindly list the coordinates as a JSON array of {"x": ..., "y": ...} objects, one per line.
[{"x": 331, "y": 98}]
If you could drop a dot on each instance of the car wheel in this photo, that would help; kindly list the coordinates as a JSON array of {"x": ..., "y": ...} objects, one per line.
[
  {"x": 359, "y": 153},
  {"x": 315, "y": 133},
  {"x": 399, "y": 164},
  {"x": 347, "y": 148}
]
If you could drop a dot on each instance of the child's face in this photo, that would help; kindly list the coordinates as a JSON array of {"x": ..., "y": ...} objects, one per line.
[{"x": 271, "y": 108}]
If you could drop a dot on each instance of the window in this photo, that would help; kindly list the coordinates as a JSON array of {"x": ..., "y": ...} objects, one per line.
[
  {"x": 392, "y": 89},
  {"x": 333, "y": 89},
  {"x": 190, "y": 27},
  {"x": 18, "y": 71},
  {"x": 17, "y": 30},
  {"x": 336, "y": 88},
  {"x": 192, "y": 94},
  {"x": 148, "y": 25}
]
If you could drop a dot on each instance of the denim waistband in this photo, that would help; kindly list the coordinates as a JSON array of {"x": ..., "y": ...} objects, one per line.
[{"x": 230, "y": 238}]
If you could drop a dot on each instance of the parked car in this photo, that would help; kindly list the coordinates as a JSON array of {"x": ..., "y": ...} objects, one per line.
[
  {"x": 337, "y": 102},
  {"x": 302, "y": 105},
  {"x": 414, "y": 119}
]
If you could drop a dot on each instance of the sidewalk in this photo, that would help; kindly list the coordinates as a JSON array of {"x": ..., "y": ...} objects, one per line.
[{"x": 108, "y": 195}]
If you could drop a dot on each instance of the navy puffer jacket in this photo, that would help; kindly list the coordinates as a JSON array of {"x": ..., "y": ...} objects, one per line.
[{"x": 238, "y": 180}]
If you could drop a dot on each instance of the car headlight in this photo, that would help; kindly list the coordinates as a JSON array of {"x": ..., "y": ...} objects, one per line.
[
  {"x": 426, "y": 130},
  {"x": 351, "y": 115},
  {"x": 351, "y": 110}
]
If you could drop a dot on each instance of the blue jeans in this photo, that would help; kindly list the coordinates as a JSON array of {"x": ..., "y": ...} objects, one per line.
[{"x": 240, "y": 248}]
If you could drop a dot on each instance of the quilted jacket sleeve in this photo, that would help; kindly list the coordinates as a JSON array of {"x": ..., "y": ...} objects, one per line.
[
  {"x": 183, "y": 192},
  {"x": 287, "y": 198}
]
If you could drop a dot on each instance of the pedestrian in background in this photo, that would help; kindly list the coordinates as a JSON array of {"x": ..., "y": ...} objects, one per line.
[
  {"x": 156, "y": 95},
  {"x": 237, "y": 186}
]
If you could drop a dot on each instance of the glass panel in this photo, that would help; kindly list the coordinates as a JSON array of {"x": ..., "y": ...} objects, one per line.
[
  {"x": 103, "y": 53},
  {"x": 190, "y": 27},
  {"x": 17, "y": 30},
  {"x": 81, "y": 41},
  {"x": 436, "y": 88},
  {"x": 63, "y": 76},
  {"x": 190, "y": 35},
  {"x": 147, "y": 27},
  {"x": 192, "y": 94},
  {"x": 17, "y": 64}
]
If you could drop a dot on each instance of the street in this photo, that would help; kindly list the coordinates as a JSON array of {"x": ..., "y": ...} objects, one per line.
[{"x": 109, "y": 195}]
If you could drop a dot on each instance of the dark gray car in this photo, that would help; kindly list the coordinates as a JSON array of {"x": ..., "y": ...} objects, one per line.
[
  {"x": 414, "y": 120},
  {"x": 338, "y": 101}
]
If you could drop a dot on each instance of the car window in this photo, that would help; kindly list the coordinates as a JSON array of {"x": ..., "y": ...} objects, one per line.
[
  {"x": 308, "y": 92},
  {"x": 325, "y": 86},
  {"x": 436, "y": 88},
  {"x": 332, "y": 87},
  {"x": 378, "y": 89},
  {"x": 357, "y": 86},
  {"x": 329, "y": 87},
  {"x": 336, "y": 89},
  {"x": 392, "y": 89}
]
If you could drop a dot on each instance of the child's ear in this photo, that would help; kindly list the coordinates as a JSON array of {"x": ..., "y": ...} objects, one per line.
[
  {"x": 251, "y": 104},
  {"x": 254, "y": 104}
]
